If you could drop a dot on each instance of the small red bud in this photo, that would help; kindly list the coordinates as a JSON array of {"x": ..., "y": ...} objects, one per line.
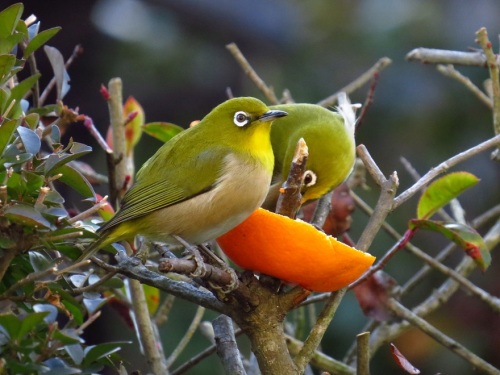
[{"x": 104, "y": 92}]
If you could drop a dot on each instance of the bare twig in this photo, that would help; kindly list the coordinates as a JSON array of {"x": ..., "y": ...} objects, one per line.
[
  {"x": 403, "y": 313},
  {"x": 441, "y": 56},
  {"x": 491, "y": 59},
  {"x": 92, "y": 210},
  {"x": 319, "y": 359},
  {"x": 188, "y": 335},
  {"x": 363, "y": 354},
  {"x": 252, "y": 74},
  {"x": 227, "y": 349},
  {"x": 317, "y": 332},
  {"x": 364, "y": 78},
  {"x": 163, "y": 312},
  {"x": 450, "y": 71},
  {"x": 443, "y": 167},
  {"x": 290, "y": 196}
]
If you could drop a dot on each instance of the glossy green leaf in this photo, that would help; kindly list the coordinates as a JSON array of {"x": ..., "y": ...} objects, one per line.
[
  {"x": 11, "y": 160},
  {"x": 39, "y": 40},
  {"x": 55, "y": 161},
  {"x": 11, "y": 324},
  {"x": 39, "y": 262},
  {"x": 74, "y": 308},
  {"x": 441, "y": 191},
  {"x": 96, "y": 352},
  {"x": 23, "y": 87},
  {"x": 4, "y": 96},
  {"x": 30, "y": 322},
  {"x": 76, "y": 353},
  {"x": 30, "y": 140},
  {"x": 26, "y": 215},
  {"x": 53, "y": 196},
  {"x": 9, "y": 18},
  {"x": 58, "y": 66},
  {"x": 49, "y": 309},
  {"x": 7, "y": 63},
  {"x": 6, "y": 131},
  {"x": 463, "y": 235},
  {"x": 164, "y": 131},
  {"x": 32, "y": 120},
  {"x": 66, "y": 336},
  {"x": 33, "y": 182},
  {"x": 75, "y": 180},
  {"x": 9, "y": 43}
]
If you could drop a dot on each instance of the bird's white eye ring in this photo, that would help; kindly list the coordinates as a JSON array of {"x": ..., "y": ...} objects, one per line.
[
  {"x": 241, "y": 118},
  {"x": 310, "y": 178}
]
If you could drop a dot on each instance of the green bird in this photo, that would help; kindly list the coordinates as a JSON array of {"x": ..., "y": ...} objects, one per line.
[
  {"x": 330, "y": 140},
  {"x": 203, "y": 182}
]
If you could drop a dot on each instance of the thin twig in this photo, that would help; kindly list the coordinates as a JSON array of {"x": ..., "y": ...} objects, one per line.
[
  {"x": 188, "y": 335},
  {"x": 450, "y": 71},
  {"x": 199, "y": 357},
  {"x": 252, "y": 74},
  {"x": 163, "y": 312},
  {"x": 491, "y": 59},
  {"x": 403, "y": 313},
  {"x": 319, "y": 329},
  {"x": 441, "y": 56},
  {"x": 364, "y": 78},
  {"x": 443, "y": 167}
]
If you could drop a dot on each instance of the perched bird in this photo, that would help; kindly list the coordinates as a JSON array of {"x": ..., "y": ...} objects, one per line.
[
  {"x": 330, "y": 140},
  {"x": 201, "y": 183}
]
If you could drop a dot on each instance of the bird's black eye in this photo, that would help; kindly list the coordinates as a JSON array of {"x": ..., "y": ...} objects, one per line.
[
  {"x": 241, "y": 118},
  {"x": 309, "y": 178}
]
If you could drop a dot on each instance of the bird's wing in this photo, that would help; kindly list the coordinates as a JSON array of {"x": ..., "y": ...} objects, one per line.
[{"x": 161, "y": 184}]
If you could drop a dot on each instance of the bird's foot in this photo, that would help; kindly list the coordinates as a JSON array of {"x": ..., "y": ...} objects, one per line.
[{"x": 193, "y": 253}]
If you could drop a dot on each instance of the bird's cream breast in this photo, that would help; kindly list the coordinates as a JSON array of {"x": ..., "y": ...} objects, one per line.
[{"x": 239, "y": 191}]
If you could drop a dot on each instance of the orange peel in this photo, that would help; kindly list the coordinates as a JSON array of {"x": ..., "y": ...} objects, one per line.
[{"x": 293, "y": 251}]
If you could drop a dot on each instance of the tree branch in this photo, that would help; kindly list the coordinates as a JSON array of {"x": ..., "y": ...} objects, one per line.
[{"x": 227, "y": 349}]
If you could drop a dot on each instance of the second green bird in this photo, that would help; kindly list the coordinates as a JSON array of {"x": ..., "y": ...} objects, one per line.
[
  {"x": 203, "y": 182},
  {"x": 330, "y": 140}
]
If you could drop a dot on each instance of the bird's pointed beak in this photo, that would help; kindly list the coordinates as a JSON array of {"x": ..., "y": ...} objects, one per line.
[{"x": 271, "y": 115}]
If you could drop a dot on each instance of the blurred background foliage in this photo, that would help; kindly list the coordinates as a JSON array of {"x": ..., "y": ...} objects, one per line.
[{"x": 171, "y": 56}]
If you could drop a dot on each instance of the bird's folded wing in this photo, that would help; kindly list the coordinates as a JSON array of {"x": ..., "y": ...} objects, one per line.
[{"x": 163, "y": 188}]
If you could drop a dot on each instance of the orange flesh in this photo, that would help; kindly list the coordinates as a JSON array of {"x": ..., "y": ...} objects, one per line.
[{"x": 293, "y": 251}]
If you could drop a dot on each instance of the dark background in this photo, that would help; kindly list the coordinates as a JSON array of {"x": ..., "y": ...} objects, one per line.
[{"x": 171, "y": 57}]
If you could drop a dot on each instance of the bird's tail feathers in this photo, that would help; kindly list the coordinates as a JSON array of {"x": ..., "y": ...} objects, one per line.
[
  {"x": 92, "y": 248},
  {"x": 347, "y": 110}
]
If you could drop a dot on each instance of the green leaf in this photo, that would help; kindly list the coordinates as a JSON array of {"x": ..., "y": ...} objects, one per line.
[
  {"x": 32, "y": 120},
  {"x": 49, "y": 310},
  {"x": 6, "y": 131},
  {"x": 463, "y": 235},
  {"x": 58, "y": 66},
  {"x": 163, "y": 131},
  {"x": 26, "y": 215},
  {"x": 39, "y": 40},
  {"x": 12, "y": 160},
  {"x": 440, "y": 192},
  {"x": 33, "y": 182},
  {"x": 95, "y": 352},
  {"x": 66, "y": 337},
  {"x": 9, "y": 18},
  {"x": 22, "y": 88},
  {"x": 7, "y": 62},
  {"x": 30, "y": 140},
  {"x": 39, "y": 262},
  {"x": 30, "y": 322},
  {"x": 55, "y": 161},
  {"x": 11, "y": 324},
  {"x": 75, "y": 180},
  {"x": 4, "y": 95}
]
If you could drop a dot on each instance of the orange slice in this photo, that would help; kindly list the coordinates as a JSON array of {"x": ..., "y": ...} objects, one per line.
[{"x": 293, "y": 251}]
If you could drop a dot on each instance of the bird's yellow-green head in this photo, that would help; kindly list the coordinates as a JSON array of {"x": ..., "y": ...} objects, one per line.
[{"x": 330, "y": 140}]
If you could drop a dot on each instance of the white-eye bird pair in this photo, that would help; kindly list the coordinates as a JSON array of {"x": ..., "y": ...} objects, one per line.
[{"x": 211, "y": 177}]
